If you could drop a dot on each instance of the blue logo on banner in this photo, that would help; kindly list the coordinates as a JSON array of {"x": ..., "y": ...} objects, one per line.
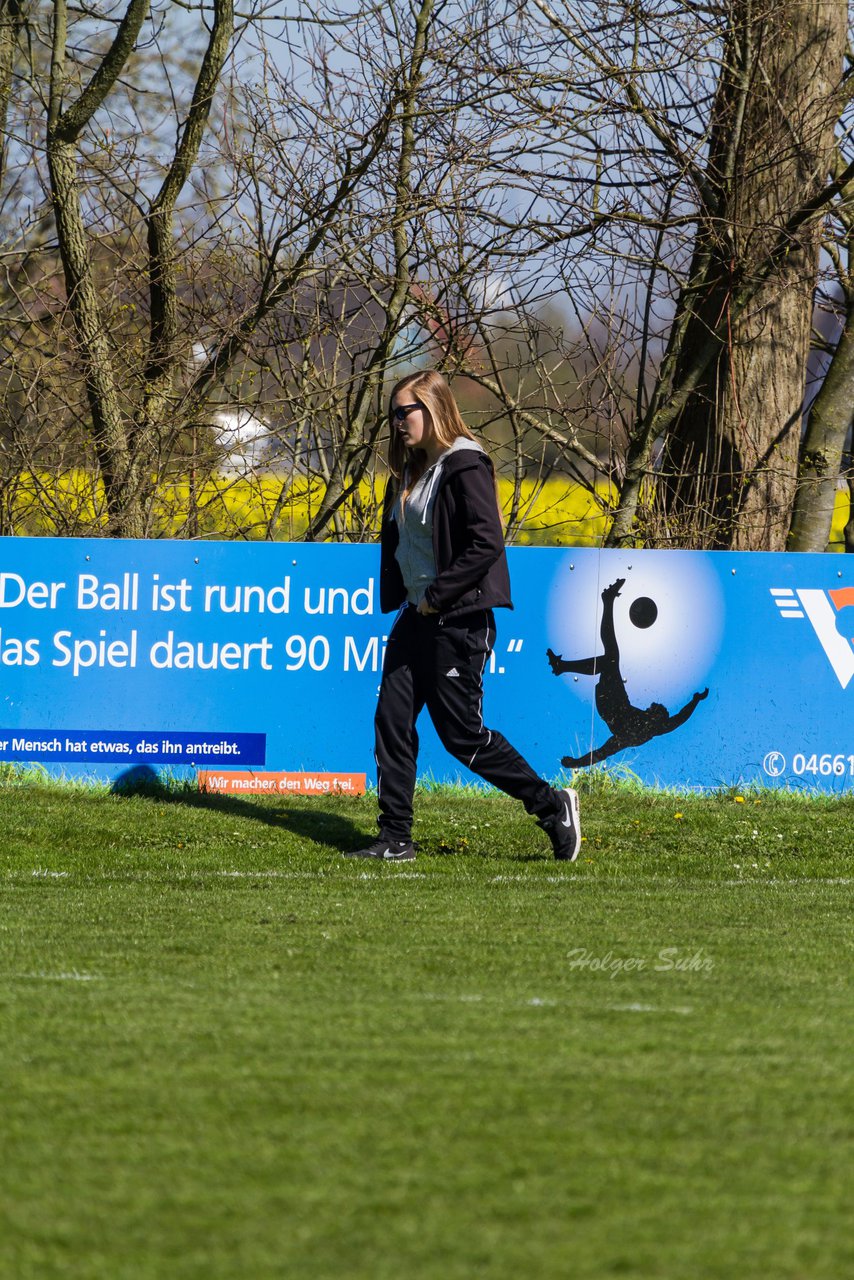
[{"x": 825, "y": 611}]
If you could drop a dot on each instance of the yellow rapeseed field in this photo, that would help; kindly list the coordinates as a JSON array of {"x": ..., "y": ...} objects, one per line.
[{"x": 556, "y": 512}]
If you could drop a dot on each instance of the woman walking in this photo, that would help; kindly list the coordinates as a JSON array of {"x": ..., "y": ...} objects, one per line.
[{"x": 443, "y": 565}]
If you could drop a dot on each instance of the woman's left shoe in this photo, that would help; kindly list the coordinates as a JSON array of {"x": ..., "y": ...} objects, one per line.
[{"x": 386, "y": 851}]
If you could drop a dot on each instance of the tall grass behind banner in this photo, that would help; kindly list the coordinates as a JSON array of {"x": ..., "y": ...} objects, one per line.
[{"x": 267, "y": 506}]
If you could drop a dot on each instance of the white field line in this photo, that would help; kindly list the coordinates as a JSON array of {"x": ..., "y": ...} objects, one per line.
[
  {"x": 788, "y": 880},
  {"x": 576, "y": 878},
  {"x": 540, "y": 1002},
  {"x": 72, "y": 976},
  {"x": 535, "y": 1002},
  {"x": 651, "y": 1008}
]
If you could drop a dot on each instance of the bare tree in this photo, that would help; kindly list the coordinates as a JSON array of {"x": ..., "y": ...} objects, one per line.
[
  {"x": 149, "y": 248},
  {"x": 123, "y": 437},
  {"x": 822, "y": 458},
  {"x": 706, "y": 133},
  {"x": 413, "y": 258},
  {"x": 731, "y": 456}
]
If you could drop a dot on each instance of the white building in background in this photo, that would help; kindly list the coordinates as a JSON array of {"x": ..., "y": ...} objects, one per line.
[{"x": 243, "y": 441}]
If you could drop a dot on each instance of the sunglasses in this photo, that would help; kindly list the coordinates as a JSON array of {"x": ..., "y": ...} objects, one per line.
[{"x": 402, "y": 412}]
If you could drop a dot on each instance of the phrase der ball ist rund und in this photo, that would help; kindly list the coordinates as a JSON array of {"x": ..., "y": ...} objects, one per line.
[{"x": 131, "y": 595}]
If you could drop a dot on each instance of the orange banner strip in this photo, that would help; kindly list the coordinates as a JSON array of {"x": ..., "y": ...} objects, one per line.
[{"x": 244, "y": 782}]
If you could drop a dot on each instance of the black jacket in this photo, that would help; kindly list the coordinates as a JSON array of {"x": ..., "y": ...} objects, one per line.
[{"x": 468, "y": 541}]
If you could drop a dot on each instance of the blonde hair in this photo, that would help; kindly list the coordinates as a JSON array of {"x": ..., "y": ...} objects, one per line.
[{"x": 443, "y": 420}]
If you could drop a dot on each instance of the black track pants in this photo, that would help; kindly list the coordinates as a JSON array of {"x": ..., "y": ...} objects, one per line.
[{"x": 440, "y": 665}]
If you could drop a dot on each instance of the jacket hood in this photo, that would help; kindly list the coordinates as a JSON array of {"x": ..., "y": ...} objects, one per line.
[{"x": 462, "y": 455}]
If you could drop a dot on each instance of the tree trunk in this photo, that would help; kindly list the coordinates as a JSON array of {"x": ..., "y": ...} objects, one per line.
[
  {"x": 730, "y": 460},
  {"x": 65, "y": 124},
  {"x": 829, "y": 420},
  {"x": 821, "y": 456},
  {"x": 108, "y": 422}
]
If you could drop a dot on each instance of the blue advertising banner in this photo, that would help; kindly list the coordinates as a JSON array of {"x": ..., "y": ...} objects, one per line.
[{"x": 698, "y": 669}]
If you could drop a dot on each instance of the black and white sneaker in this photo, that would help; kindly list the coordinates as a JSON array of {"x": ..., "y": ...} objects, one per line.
[
  {"x": 386, "y": 851},
  {"x": 564, "y": 827}
]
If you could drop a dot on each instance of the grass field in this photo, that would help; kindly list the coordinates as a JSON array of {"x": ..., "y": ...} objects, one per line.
[{"x": 228, "y": 1052}]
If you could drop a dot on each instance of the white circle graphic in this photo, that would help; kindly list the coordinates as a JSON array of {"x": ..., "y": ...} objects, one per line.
[{"x": 667, "y": 660}]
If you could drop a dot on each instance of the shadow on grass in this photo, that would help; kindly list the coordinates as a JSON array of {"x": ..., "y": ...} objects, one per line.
[
  {"x": 321, "y": 827},
  {"x": 314, "y": 824}
]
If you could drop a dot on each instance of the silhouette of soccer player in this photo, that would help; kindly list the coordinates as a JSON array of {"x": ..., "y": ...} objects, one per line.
[{"x": 630, "y": 726}]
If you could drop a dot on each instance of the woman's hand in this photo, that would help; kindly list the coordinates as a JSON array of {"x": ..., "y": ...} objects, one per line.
[{"x": 424, "y": 609}]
